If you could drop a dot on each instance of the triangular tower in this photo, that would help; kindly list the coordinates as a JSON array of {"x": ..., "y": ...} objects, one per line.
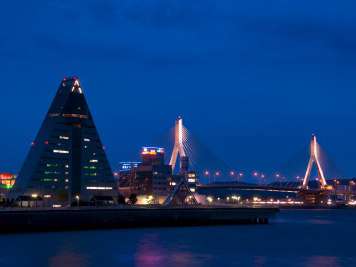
[
  {"x": 314, "y": 158},
  {"x": 178, "y": 148},
  {"x": 67, "y": 160}
]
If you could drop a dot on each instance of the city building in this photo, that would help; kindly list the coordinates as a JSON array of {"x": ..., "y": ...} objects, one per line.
[
  {"x": 149, "y": 180},
  {"x": 192, "y": 181},
  {"x": 67, "y": 161},
  {"x": 7, "y": 181},
  {"x": 128, "y": 165}
]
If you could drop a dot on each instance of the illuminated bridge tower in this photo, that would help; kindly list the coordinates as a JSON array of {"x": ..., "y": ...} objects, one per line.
[
  {"x": 67, "y": 160},
  {"x": 178, "y": 149},
  {"x": 314, "y": 158}
]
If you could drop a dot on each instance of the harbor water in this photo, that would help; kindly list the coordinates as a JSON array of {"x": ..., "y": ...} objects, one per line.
[{"x": 294, "y": 238}]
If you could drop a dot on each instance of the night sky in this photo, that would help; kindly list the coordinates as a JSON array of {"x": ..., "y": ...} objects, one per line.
[{"x": 252, "y": 79}]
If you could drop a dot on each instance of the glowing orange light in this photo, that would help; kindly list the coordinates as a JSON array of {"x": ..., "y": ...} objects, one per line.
[{"x": 6, "y": 176}]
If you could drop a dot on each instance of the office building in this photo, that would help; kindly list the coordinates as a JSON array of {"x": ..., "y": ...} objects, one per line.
[{"x": 67, "y": 160}]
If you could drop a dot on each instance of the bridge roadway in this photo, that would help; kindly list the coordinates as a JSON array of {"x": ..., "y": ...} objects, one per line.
[{"x": 249, "y": 187}]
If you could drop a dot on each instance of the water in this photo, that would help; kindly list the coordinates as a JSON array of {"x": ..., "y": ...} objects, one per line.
[{"x": 294, "y": 238}]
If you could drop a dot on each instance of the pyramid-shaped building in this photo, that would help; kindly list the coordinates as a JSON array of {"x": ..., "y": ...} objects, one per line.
[{"x": 67, "y": 159}]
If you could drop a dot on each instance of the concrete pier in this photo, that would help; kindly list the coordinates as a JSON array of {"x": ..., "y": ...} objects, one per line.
[{"x": 22, "y": 220}]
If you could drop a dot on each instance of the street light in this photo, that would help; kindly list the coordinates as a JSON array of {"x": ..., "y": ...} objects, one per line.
[
  {"x": 207, "y": 174},
  {"x": 35, "y": 196},
  {"x": 77, "y": 197},
  {"x": 217, "y": 174}
]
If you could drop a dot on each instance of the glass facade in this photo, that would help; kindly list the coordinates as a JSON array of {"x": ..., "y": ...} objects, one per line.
[{"x": 67, "y": 158}]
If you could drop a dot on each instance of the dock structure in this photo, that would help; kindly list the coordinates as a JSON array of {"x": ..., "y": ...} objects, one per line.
[{"x": 24, "y": 220}]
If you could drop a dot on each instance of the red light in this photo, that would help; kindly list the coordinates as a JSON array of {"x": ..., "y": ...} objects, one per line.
[
  {"x": 5, "y": 176},
  {"x": 46, "y": 142}
]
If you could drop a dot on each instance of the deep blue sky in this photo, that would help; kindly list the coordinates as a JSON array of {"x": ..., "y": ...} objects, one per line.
[{"x": 253, "y": 79}]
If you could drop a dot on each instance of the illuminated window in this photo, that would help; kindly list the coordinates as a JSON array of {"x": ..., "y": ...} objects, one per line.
[
  {"x": 51, "y": 165},
  {"x": 51, "y": 172},
  {"x": 192, "y": 189},
  {"x": 191, "y": 180},
  {"x": 60, "y": 151},
  {"x": 74, "y": 115},
  {"x": 63, "y": 137},
  {"x": 76, "y": 87},
  {"x": 93, "y": 160},
  {"x": 86, "y": 140},
  {"x": 99, "y": 188}
]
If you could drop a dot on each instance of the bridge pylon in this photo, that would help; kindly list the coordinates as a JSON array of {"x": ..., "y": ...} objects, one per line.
[
  {"x": 178, "y": 149},
  {"x": 314, "y": 159}
]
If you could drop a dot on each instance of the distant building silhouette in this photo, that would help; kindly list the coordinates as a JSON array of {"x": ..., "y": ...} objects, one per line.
[{"x": 67, "y": 160}]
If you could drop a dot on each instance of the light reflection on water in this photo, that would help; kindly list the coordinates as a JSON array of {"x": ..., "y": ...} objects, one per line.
[
  {"x": 324, "y": 261},
  {"x": 295, "y": 238},
  {"x": 67, "y": 258}
]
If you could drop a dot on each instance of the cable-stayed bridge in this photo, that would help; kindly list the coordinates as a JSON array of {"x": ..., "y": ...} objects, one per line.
[{"x": 189, "y": 152}]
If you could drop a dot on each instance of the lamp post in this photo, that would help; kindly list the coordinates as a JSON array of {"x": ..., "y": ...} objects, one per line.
[{"x": 77, "y": 197}]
